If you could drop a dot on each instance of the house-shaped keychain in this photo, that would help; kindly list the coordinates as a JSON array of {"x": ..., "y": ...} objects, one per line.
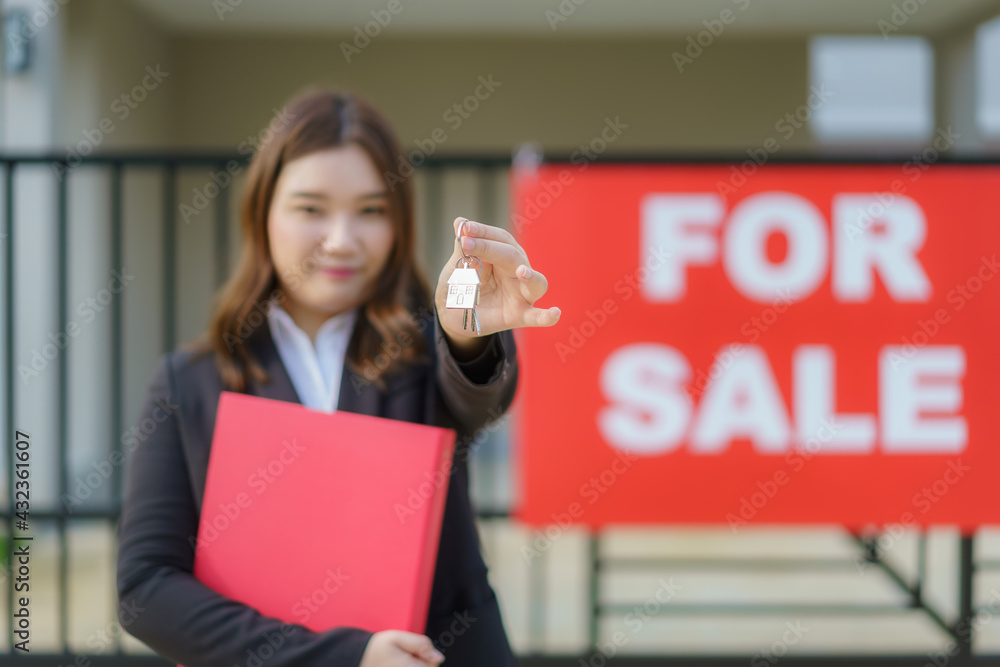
[
  {"x": 463, "y": 288},
  {"x": 463, "y": 292}
]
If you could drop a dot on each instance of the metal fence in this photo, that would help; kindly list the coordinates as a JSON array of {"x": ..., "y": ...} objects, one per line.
[{"x": 484, "y": 170}]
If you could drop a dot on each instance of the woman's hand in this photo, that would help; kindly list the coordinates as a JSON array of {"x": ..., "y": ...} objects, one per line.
[
  {"x": 398, "y": 648},
  {"x": 508, "y": 287}
]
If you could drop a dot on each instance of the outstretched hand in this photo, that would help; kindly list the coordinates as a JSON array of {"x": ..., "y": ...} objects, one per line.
[{"x": 508, "y": 287}]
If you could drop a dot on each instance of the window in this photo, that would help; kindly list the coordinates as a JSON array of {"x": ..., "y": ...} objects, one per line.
[
  {"x": 988, "y": 78},
  {"x": 879, "y": 89}
]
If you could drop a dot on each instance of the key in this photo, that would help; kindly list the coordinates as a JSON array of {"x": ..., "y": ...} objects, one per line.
[
  {"x": 463, "y": 291},
  {"x": 463, "y": 287}
]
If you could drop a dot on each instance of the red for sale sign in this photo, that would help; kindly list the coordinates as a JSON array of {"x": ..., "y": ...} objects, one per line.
[{"x": 803, "y": 344}]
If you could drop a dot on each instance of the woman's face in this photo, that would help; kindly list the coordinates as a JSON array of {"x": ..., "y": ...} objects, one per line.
[{"x": 330, "y": 233}]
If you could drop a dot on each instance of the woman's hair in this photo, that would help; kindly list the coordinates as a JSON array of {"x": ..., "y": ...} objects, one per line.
[{"x": 318, "y": 120}]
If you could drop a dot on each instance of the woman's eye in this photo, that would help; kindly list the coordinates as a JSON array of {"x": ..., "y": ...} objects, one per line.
[
  {"x": 310, "y": 210},
  {"x": 374, "y": 210}
]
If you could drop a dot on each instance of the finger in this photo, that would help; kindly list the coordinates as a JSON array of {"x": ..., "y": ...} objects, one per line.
[
  {"x": 423, "y": 661},
  {"x": 533, "y": 283},
  {"x": 504, "y": 255},
  {"x": 541, "y": 317},
  {"x": 432, "y": 657},
  {"x": 420, "y": 660},
  {"x": 418, "y": 645},
  {"x": 481, "y": 230}
]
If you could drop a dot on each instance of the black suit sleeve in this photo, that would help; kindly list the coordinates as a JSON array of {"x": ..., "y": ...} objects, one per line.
[
  {"x": 160, "y": 601},
  {"x": 480, "y": 390},
  {"x": 484, "y": 366}
]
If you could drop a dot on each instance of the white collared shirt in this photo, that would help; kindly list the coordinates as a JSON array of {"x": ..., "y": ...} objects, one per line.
[{"x": 315, "y": 370}]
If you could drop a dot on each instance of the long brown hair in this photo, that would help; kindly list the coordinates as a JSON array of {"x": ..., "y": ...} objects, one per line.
[{"x": 387, "y": 322}]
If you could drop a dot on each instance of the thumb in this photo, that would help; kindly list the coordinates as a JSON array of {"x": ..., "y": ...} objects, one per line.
[
  {"x": 418, "y": 645},
  {"x": 542, "y": 317}
]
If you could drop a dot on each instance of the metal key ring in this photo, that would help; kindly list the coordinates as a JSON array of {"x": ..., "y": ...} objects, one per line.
[
  {"x": 461, "y": 225},
  {"x": 467, "y": 259}
]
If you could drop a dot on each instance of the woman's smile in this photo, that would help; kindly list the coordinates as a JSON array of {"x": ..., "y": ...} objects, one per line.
[{"x": 339, "y": 273}]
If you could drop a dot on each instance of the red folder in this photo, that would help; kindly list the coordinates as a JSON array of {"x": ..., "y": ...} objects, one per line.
[{"x": 323, "y": 519}]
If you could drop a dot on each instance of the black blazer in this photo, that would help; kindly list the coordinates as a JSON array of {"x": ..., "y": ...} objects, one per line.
[{"x": 161, "y": 602}]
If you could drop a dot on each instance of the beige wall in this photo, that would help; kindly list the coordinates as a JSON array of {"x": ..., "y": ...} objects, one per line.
[
  {"x": 108, "y": 46},
  {"x": 557, "y": 92},
  {"x": 222, "y": 88}
]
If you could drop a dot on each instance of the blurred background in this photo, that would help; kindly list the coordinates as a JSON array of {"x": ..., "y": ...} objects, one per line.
[{"x": 125, "y": 126}]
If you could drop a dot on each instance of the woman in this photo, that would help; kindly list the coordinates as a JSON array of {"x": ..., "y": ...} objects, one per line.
[{"x": 350, "y": 324}]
